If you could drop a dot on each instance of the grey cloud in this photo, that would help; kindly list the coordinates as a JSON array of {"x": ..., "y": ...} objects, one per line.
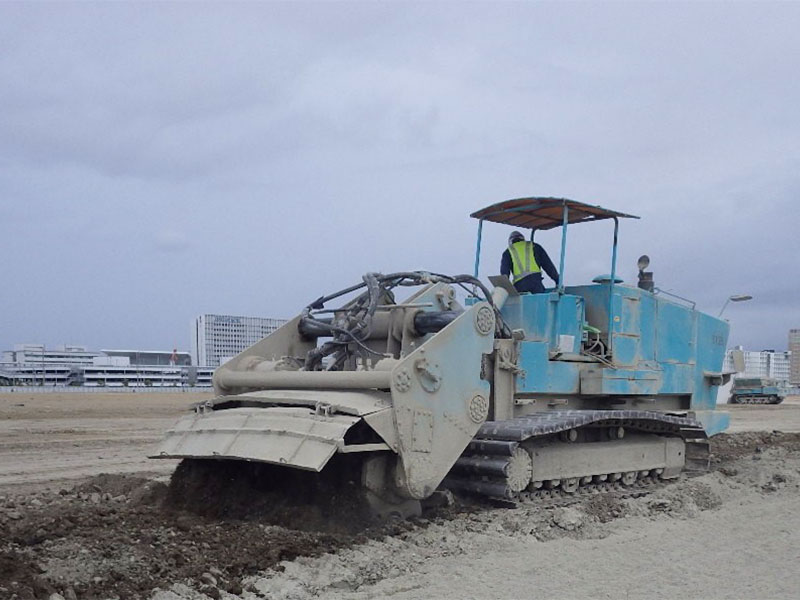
[{"x": 292, "y": 147}]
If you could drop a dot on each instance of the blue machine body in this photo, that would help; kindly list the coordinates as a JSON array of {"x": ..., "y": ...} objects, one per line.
[
  {"x": 661, "y": 354},
  {"x": 665, "y": 355}
]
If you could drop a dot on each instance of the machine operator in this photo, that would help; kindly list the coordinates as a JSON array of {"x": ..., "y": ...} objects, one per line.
[{"x": 523, "y": 262}]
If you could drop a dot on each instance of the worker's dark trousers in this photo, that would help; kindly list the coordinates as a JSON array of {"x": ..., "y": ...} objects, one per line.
[{"x": 531, "y": 284}]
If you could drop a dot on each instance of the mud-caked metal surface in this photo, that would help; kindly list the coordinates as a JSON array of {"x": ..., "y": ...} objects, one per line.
[
  {"x": 440, "y": 400},
  {"x": 505, "y": 395},
  {"x": 288, "y": 427},
  {"x": 409, "y": 400}
]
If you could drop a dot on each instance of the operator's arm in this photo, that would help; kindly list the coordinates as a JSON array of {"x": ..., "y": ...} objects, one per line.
[
  {"x": 505, "y": 264},
  {"x": 540, "y": 254}
]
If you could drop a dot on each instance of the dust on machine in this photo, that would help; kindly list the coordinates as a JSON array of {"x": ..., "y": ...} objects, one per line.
[{"x": 515, "y": 393}]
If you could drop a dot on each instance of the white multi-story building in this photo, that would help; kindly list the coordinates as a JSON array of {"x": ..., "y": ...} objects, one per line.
[
  {"x": 133, "y": 376},
  {"x": 36, "y": 365},
  {"x": 38, "y": 374},
  {"x": 218, "y": 338},
  {"x": 766, "y": 363},
  {"x": 794, "y": 349},
  {"x": 38, "y": 354},
  {"x": 152, "y": 357}
]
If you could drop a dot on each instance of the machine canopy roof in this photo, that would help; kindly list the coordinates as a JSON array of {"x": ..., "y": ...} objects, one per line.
[{"x": 544, "y": 213}]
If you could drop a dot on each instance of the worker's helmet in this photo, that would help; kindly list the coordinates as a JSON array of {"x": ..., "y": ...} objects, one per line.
[{"x": 515, "y": 236}]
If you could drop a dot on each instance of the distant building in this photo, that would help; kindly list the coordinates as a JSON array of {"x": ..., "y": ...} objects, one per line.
[
  {"x": 794, "y": 349},
  {"x": 34, "y": 364},
  {"x": 764, "y": 363},
  {"x": 29, "y": 354},
  {"x": 153, "y": 357},
  {"x": 218, "y": 338}
]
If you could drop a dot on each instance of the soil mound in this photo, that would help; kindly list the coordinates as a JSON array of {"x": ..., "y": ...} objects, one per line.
[
  {"x": 331, "y": 501},
  {"x": 726, "y": 447},
  {"x": 114, "y": 536}
]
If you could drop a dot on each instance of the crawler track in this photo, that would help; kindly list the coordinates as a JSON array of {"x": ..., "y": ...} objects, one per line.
[
  {"x": 640, "y": 488},
  {"x": 756, "y": 399},
  {"x": 510, "y": 460}
]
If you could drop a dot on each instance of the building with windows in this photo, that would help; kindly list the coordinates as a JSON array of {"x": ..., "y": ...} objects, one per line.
[
  {"x": 36, "y": 365},
  {"x": 38, "y": 354},
  {"x": 215, "y": 338},
  {"x": 39, "y": 374},
  {"x": 794, "y": 349},
  {"x": 218, "y": 338},
  {"x": 764, "y": 363},
  {"x": 152, "y": 357}
]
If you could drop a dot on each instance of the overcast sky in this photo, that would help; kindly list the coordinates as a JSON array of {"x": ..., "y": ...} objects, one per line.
[{"x": 159, "y": 161}]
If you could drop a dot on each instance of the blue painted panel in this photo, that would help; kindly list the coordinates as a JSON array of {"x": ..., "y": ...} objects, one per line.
[
  {"x": 712, "y": 339},
  {"x": 545, "y": 376},
  {"x": 677, "y": 379},
  {"x": 600, "y": 381},
  {"x": 628, "y": 308},
  {"x": 545, "y": 317},
  {"x": 647, "y": 316},
  {"x": 675, "y": 327},
  {"x": 626, "y": 350},
  {"x": 569, "y": 315},
  {"x": 626, "y": 327},
  {"x": 531, "y": 313}
]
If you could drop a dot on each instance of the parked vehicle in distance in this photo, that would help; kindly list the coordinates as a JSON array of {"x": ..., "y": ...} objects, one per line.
[{"x": 756, "y": 390}]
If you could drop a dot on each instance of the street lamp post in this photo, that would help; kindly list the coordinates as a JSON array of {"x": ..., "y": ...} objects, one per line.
[{"x": 734, "y": 298}]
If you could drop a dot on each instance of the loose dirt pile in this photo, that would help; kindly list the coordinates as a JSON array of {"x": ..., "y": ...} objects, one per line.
[
  {"x": 726, "y": 447},
  {"x": 328, "y": 502},
  {"x": 122, "y": 536},
  {"x": 117, "y": 536}
]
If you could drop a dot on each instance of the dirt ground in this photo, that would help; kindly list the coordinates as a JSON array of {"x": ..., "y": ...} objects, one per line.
[
  {"x": 48, "y": 439},
  {"x": 784, "y": 416},
  {"x": 65, "y": 529}
]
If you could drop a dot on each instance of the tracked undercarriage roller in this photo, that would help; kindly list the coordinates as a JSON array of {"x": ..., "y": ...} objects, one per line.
[{"x": 519, "y": 457}]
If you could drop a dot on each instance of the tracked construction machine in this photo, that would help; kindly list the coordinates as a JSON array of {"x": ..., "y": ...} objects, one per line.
[
  {"x": 757, "y": 390},
  {"x": 505, "y": 395}
]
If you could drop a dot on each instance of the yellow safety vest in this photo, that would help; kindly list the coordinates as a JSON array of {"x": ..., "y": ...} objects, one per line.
[{"x": 521, "y": 267}]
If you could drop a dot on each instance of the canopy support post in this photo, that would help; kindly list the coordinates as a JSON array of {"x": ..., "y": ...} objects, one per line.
[
  {"x": 611, "y": 283},
  {"x": 563, "y": 249},
  {"x": 478, "y": 248}
]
